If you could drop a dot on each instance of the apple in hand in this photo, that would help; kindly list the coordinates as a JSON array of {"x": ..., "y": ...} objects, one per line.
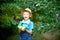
[{"x": 22, "y": 28}]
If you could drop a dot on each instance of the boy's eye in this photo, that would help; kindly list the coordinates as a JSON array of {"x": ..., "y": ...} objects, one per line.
[{"x": 26, "y": 14}]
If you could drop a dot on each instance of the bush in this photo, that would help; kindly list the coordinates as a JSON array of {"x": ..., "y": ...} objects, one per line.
[{"x": 46, "y": 16}]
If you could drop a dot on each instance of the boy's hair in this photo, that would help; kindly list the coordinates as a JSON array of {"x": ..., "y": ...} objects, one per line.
[{"x": 26, "y": 10}]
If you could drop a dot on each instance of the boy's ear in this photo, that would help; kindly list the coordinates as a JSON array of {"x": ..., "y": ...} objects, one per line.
[{"x": 30, "y": 16}]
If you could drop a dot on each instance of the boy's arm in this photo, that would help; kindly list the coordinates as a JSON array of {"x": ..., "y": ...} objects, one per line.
[
  {"x": 29, "y": 31},
  {"x": 19, "y": 29},
  {"x": 19, "y": 26}
]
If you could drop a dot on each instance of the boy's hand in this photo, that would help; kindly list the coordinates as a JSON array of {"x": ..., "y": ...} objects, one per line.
[
  {"x": 29, "y": 31},
  {"x": 22, "y": 28}
]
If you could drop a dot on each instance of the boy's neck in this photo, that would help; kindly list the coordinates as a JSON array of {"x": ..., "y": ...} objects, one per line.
[{"x": 26, "y": 20}]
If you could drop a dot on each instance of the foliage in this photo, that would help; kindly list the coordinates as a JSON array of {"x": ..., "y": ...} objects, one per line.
[{"x": 46, "y": 14}]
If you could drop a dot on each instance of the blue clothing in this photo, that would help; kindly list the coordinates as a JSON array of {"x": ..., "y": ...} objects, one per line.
[
  {"x": 25, "y": 36},
  {"x": 29, "y": 26}
]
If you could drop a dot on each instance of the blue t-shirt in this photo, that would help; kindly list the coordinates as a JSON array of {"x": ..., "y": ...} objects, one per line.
[{"x": 28, "y": 24}]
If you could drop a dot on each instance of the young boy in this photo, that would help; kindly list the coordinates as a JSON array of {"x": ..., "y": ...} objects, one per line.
[{"x": 26, "y": 25}]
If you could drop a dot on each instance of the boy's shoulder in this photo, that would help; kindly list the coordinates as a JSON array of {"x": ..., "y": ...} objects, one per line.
[
  {"x": 20, "y": 21},
  {"x": 31, "y": 21}
]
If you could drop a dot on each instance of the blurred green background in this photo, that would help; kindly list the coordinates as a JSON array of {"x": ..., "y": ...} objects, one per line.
[{"x": 46, "y": 18}]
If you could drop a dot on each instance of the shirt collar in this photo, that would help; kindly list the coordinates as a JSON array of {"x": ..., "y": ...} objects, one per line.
[{"x": 28, "y": 21}]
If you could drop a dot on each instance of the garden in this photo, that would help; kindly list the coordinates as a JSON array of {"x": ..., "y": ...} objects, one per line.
[{"x": 46, "y": 18}]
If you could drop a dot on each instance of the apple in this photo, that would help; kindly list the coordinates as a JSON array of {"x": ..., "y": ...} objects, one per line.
[{"x": 22, "y": 28}]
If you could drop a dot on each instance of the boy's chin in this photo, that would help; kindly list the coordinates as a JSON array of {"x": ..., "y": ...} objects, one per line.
[{"x": 26, "y": 19}]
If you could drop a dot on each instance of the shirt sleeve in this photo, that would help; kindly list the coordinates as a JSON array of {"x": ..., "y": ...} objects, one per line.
[
  {"x": 31, "y": 26},
  {"x": 19, "y": 24}
]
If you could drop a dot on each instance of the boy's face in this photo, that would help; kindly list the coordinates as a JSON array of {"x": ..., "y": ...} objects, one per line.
[{"x": 26, "y": 15}]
